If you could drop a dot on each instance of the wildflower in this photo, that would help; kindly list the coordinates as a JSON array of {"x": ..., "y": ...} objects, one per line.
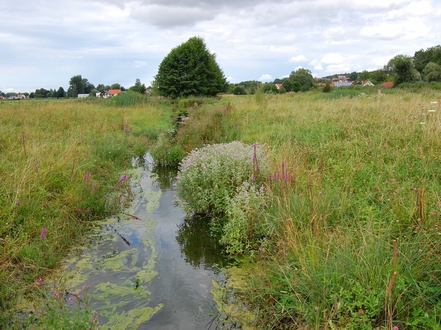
[
  {"x": 395, "y": 327},
  {"x": 122, "y": 178},
  {"x": 40, "y": 281},
  {"x": 43, "y": 233},
  {"x": 18, "y": 203},
  {"x": 70, "y": 298},
  {"x": 86, "y": 176}
]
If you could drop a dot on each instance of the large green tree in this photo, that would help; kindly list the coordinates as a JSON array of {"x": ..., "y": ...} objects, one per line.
[
  {"x": 79, "y": 85},
  {"x": 190, "y": 70},
  {"x": 403, "y": 68},
  {"x": 424, "y": 57},
  {"x": 301, "y": 79},
  {"x": 432, "y": 72}
]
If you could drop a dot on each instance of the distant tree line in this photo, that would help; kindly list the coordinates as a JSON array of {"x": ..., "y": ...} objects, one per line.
[
  {"x": 191, "y": 70},
  {"x": 80, "y": 85},
  {"x": 424, "y": 66}
]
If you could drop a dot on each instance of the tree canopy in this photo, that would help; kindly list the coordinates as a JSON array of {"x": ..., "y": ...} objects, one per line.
[
  {"x": 301, "y": 79},
  {"x": 190, "y": 70},
  {"x": 79, "y": 85}
]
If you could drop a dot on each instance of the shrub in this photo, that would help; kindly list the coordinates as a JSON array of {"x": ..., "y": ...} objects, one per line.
[
  {"x": 128, "y": 98},
  {"x": 209, "y": 177},
  {"x": 245, "y": 226}
]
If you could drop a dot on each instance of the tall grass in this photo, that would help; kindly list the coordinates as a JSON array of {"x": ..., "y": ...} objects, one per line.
[
  {"x": 358, "y": 238},
  {"x": 61, "y": 165}
]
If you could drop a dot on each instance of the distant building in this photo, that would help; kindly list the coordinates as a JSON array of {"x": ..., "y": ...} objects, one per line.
[
  {"x": 367, "y": 83},
  {"x": 82, "y": 96},
  {"x": 113, "y": 92},
  {"x": 388, "y": 84},
  {"x": 341, "y": 81}
]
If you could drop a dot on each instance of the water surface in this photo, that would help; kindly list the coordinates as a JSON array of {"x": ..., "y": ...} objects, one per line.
[{"x": 149, "y": 268}]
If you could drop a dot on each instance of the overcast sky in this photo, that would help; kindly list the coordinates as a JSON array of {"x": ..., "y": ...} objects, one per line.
[{"x": 43, "y": 43}]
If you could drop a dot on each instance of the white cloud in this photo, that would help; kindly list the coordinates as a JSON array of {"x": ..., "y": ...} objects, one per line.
[
  {"x": 265, "y": 77},
  {"x": 298, "y": 58},
  {"x": 332, "y": 58},
  {"x": 108, "y": 41}
]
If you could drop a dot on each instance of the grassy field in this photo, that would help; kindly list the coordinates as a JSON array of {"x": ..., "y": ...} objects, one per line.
[
  {"x": 62, "y": 166},
  {"x": 357, "y": 236}
]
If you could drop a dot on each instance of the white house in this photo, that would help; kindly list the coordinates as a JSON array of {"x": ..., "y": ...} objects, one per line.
[{"x": 82, "y": 96}]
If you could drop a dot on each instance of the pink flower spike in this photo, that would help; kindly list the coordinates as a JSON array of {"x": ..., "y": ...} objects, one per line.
[
  {"x": 87, "y": 176},
  {"x": 395, "y": 328},
  {"x": 40, "y": 281},
  {"x": 122, "y": 178},
  {"x": 18, "y": 203},
  {"x": 43, "y": 233}
]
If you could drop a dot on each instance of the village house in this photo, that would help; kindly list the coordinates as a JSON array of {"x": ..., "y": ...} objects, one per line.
[{"x": 341, "y": 81}]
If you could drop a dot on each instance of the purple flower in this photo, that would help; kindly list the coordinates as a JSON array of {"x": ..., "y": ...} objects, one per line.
[
  {"x": 86, "y": 176},
  {"x": 255, "y": 146},
  {"x": 121, "y": 179},
  {"x": 40, "y": 281},
  {"x": 18, "y": 203},
  {"x": 43, "y": 233}
]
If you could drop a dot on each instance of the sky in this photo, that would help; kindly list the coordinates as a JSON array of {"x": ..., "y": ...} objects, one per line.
[{"x": 43, "y": 43}]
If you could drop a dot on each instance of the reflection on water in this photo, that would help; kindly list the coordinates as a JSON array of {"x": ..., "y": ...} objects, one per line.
[
  {"x": 199, "y": 245},
  {"x": 166, "y": 177},
  {"x": 150, "y": 268}
]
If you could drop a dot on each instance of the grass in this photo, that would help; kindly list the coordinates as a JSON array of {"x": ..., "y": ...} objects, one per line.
[
  {"x": 358, "y": 236},
  {"x": 355, "y": 236},
  {"x": 61, "y": 165}
]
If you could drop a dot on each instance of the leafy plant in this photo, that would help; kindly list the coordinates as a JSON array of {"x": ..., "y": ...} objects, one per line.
[
  {"x": 209, "y": 177},
  {"x": 245, "y": 228}
]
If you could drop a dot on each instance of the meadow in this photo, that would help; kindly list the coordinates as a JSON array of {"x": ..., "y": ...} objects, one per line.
[
  {"x": 62, "y": 166},
  {"x": 352, "y": 233},
  {"x": 355, "y": 229}
]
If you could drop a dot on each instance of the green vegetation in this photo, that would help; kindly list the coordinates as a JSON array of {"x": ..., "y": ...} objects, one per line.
[
  {"x": 351, "y": 217},
  {"x": 62, "y": 165},
  {"x": 338, "y": 215},
  {"x": 190, "y": 70}
]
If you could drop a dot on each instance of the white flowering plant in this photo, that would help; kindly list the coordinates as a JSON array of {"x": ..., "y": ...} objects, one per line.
[{"x": 209, "y": 177}]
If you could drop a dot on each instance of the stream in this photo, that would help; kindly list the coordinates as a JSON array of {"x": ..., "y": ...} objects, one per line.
[{"x": 149, "y": 268}]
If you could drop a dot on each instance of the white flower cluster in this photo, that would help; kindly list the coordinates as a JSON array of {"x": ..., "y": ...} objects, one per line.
[{"x": 209, "y": 177}]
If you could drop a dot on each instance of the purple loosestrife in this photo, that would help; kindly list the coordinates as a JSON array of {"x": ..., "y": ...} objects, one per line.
[
  {"x": 43, "y": 233},
  {"x": 18, "y": 203},
  {"x": 121, "y": 179},
  {"x": 86, "y": 176},
  {"x": 40, "y": 281}
]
